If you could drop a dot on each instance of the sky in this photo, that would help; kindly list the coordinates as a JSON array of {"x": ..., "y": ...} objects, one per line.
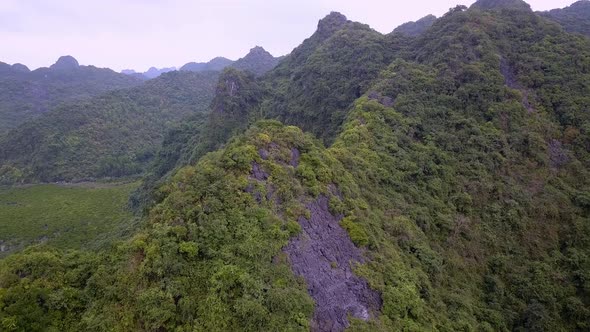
[{"x": 138, "y": 34}]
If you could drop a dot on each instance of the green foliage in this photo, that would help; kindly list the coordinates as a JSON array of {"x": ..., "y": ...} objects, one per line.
[
  {"x": 79, "y": 216},
  {"x": 574, "y": 18},
  {"x": 414, "y": 29},
  {"x": 25, "y": 95},
  {"x": 108, "y": 136},
  {"x": 460, "y": 161},
  {"x": 315, "y": 84},
  {"x": 356, "y": 232}
]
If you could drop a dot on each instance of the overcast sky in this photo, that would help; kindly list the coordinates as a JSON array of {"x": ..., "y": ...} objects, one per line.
[{"x": 138, "y": 34}]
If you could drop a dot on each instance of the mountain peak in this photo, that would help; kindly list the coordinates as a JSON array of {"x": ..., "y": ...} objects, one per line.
[
  {"x": 20, "y": 67},
  {"x": 66, "y": 62},
  {"x": 501, "y": 4},
  {"x": 416, "y": 28},
  {"x": 331, "y": 23},
  {"x": 257, "y": 61},
  {"x": 258, "y": 51}
]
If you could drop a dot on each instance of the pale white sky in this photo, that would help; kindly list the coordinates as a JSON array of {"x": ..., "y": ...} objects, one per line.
[{"x": 139, "y": 34}]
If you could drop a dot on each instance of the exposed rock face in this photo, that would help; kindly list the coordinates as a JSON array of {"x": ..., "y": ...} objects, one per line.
[
  {"x": 323, "y": 255},
  {"x": 66, "y": 62},
  {"x": 557, "y": 153}
]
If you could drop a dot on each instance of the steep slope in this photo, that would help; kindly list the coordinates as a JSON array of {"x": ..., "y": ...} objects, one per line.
[
  {"x": 237, "y": 93},
  {"x": 25, "y": 94},
  {"x": 574, "y": 18},
  {"x": 414, "y": 29},
  {"x": 478, "y": 187},
  {"x": 470, "y": 173},
  {"x": 314, "y": 85},
  {"x": 107, "y": 136}
]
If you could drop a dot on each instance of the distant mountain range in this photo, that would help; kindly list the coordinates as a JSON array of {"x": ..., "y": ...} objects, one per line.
[
  {"x": 115, "y": 133},
  {"x": 574, "y": 18},
  {"x": 153, "y": 72},
  {"x": 414, "y": 29},
  {"x": 258, "y": 61},
  {"x": 26, "y": 94}
]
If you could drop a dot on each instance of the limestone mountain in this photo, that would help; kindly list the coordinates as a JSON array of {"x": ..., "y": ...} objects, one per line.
[
  {"x": 501, "y": 4},
  {"x": 316, "y": 96},
  {"x": 66, "y": 62},
  {"x": 111, "y": 135},
  {"x": 574, "y": 18},
  {"x": 258, "y": 61},
  {"x": 26, "y": 94},
  {"x": 431, "y": 183},
  {"x": 153, "y": 72},
  {"x": 216, "y": 64},
  {"x": 414, "y": 29}
]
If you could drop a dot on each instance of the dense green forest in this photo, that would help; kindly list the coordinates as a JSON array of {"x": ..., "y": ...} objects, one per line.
[
  {"x": 116, "y": 134},
  {"x": 72, "y": 216},
  {"x": 112, "y": 135},
  {"x": 574, "y": 18},
  {"x": 433, "y": 179},
  {"x": 25, "y": 94}
]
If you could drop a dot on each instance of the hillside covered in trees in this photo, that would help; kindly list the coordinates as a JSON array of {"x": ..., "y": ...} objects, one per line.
[
  {"x": 111, "y": 135},
  {"x": 574, "y": 18},
  {"x": 26, "y": 94},
  {"x": 430, "y": 180}
]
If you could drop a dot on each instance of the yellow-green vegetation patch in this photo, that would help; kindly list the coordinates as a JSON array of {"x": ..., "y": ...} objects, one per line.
[{"x": 65, "y": 216}]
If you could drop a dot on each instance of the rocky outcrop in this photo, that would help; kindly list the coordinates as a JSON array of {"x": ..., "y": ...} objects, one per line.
[
  {"x": 324, "y": 256},
  {"x": 322, "y": 253}
]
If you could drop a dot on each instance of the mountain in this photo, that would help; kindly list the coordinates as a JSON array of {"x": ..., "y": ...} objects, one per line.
[
  {"x": 414, "y": 29},
  {"x": 501, "y": 4},
  {"x": 26, "y": 94},
  {"x": 216, "y": 64},
  {"x": 154, "y": 72},
  {"x": 258, "y": 61},
  {"x": 438, "y": 154},
  {"x": 111, "y": 135},
  {"x": 326, "y": 73},
  {"x": 65, "y": 63},
  {"x": 574, "y": 18},
  {"x": 440, "y": 183}
]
